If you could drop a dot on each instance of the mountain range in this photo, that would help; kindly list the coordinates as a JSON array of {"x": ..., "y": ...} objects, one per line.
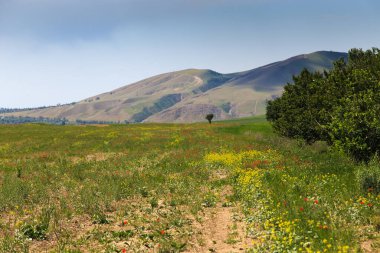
[{"x": 188, "y": 95}]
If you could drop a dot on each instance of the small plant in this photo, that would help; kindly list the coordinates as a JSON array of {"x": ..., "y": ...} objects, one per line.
[
  {"x": 178, "y": 246},
  {"x": 153, "y": 203},
  {"x": 100, "y": 218},
  {"x": 39, "y": 229},
  {"x": 35, "y": 231},
  {"x": 227, "y": 204},
  {"x": 123, "y": 235},
  {"x": 209, "y": 201},
  {"x": 19, "y": 170},
  {"x": 368, "y": 178},
  {"x": 144, "y": 192}
]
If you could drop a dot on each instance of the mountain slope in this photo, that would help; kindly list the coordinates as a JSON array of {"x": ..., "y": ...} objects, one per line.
[
  {"x": 246, "y": 93},
  {"x": 187, "y": 95}
]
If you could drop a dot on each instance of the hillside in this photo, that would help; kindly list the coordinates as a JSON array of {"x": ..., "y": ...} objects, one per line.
[{"x": 187, "y": 95}]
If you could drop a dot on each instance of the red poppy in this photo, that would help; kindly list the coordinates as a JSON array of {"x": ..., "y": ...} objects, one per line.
[
  {"x": 306, "y": 199},
  {"x": 162, "y": 232},
  {"x": 316, "y": 201},
  {"x": 124, "y": 251},
  {"x": 125, "y": 222},
  {"x": 369, "y": 204},
  {"x": 362, "y": 203},
  {"x": 301, "y": 209}
]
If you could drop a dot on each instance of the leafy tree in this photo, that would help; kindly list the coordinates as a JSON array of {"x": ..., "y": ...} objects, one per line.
[
  {"x": 355, "y": 123},
  {"x": 295, "y": 114},
  {"x": 209, "y": 117},
  {"x": 355, "y": 127},
  {"x": 341, "y": 107}
]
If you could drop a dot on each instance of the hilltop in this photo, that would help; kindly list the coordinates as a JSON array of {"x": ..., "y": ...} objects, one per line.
[{"x": 187, "y": 95}]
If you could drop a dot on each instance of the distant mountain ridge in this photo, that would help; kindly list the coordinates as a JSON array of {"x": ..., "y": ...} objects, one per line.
[{"x": 188, "y": 95}]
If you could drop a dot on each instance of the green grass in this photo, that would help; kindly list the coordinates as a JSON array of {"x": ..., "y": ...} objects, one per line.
[{"x": 142, "y": 187}]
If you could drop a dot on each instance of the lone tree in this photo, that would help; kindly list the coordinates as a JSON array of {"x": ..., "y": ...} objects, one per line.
[{"x": 209, "y": 117}]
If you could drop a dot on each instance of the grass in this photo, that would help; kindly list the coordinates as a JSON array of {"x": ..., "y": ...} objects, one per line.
[{"x": 138, "y": 188}]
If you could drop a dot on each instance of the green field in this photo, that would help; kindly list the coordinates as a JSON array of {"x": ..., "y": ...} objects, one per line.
[{"x": 231, "y": 186}]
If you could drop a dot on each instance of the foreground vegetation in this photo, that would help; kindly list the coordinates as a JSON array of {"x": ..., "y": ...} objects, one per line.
[{"x": 149, "y": 188}]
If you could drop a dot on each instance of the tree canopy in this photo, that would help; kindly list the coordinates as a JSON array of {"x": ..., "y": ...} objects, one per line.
[{"x": 341, "y": 107}]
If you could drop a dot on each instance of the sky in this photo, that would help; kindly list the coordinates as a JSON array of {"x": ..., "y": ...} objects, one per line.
[{"x": 61, "y": 51}]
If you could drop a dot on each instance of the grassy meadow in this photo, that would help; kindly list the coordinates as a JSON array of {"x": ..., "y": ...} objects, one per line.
[{"x": 231, "y": 186}]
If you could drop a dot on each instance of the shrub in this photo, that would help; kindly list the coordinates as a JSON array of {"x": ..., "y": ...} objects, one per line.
[
  {"x": 341, "y": 107},
  {"x": 296, "y": 114},
  {"x": 355, "y": 126}
]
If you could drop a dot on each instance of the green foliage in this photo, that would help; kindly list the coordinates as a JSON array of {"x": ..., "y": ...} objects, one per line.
[
  {"x": 209, "y": 117},
  {"x": 27, "y": 119},
  {"x": 341, "y": 107},
  {"x": 368, "y": 178},
  {"x": 298, "y": 107},
  {"x": 38, "y": 229},
  {"x": 355, "y": 122},
  {"x": 100, "y": 218}
]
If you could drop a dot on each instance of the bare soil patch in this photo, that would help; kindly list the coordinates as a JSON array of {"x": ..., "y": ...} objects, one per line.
[{"x": 220, "y": 229}]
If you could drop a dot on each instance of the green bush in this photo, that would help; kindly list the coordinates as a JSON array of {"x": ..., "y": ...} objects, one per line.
[
  {"x": 341, "y": 107},
  {"x": 295, "y": 114}
]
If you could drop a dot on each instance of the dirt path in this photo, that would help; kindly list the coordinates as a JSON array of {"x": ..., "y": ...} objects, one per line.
[{"x": 221, "y": 230}]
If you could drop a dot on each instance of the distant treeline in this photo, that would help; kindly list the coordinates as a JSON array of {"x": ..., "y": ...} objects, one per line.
[
  {"x": 54, "y": 121},
  {"x": 99, "y": 122},
  {"x": 23, "y": 120},
  {"x": 11, "y": 110}
]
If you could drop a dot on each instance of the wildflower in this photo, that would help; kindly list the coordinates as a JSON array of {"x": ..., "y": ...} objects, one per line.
[
  {"x": 369, "y": 204},
  {"x": 302, "y": 209},
  {"x": 125, "y": 222},
  {"x": 362, "y": 202},
  {"x": 306, "y": 199},
  {"x": 124, "y": 251},
  {"x": 162, "y": 232},
  {"x": 18, "y": 224},
  {"x": 316, "y": 201}
]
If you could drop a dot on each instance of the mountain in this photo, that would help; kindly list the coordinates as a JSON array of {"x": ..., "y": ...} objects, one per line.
[{"x": 188, "y": 95}]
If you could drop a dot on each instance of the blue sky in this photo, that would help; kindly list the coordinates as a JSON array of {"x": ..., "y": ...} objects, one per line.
[{"x": 60, "y": 51}]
